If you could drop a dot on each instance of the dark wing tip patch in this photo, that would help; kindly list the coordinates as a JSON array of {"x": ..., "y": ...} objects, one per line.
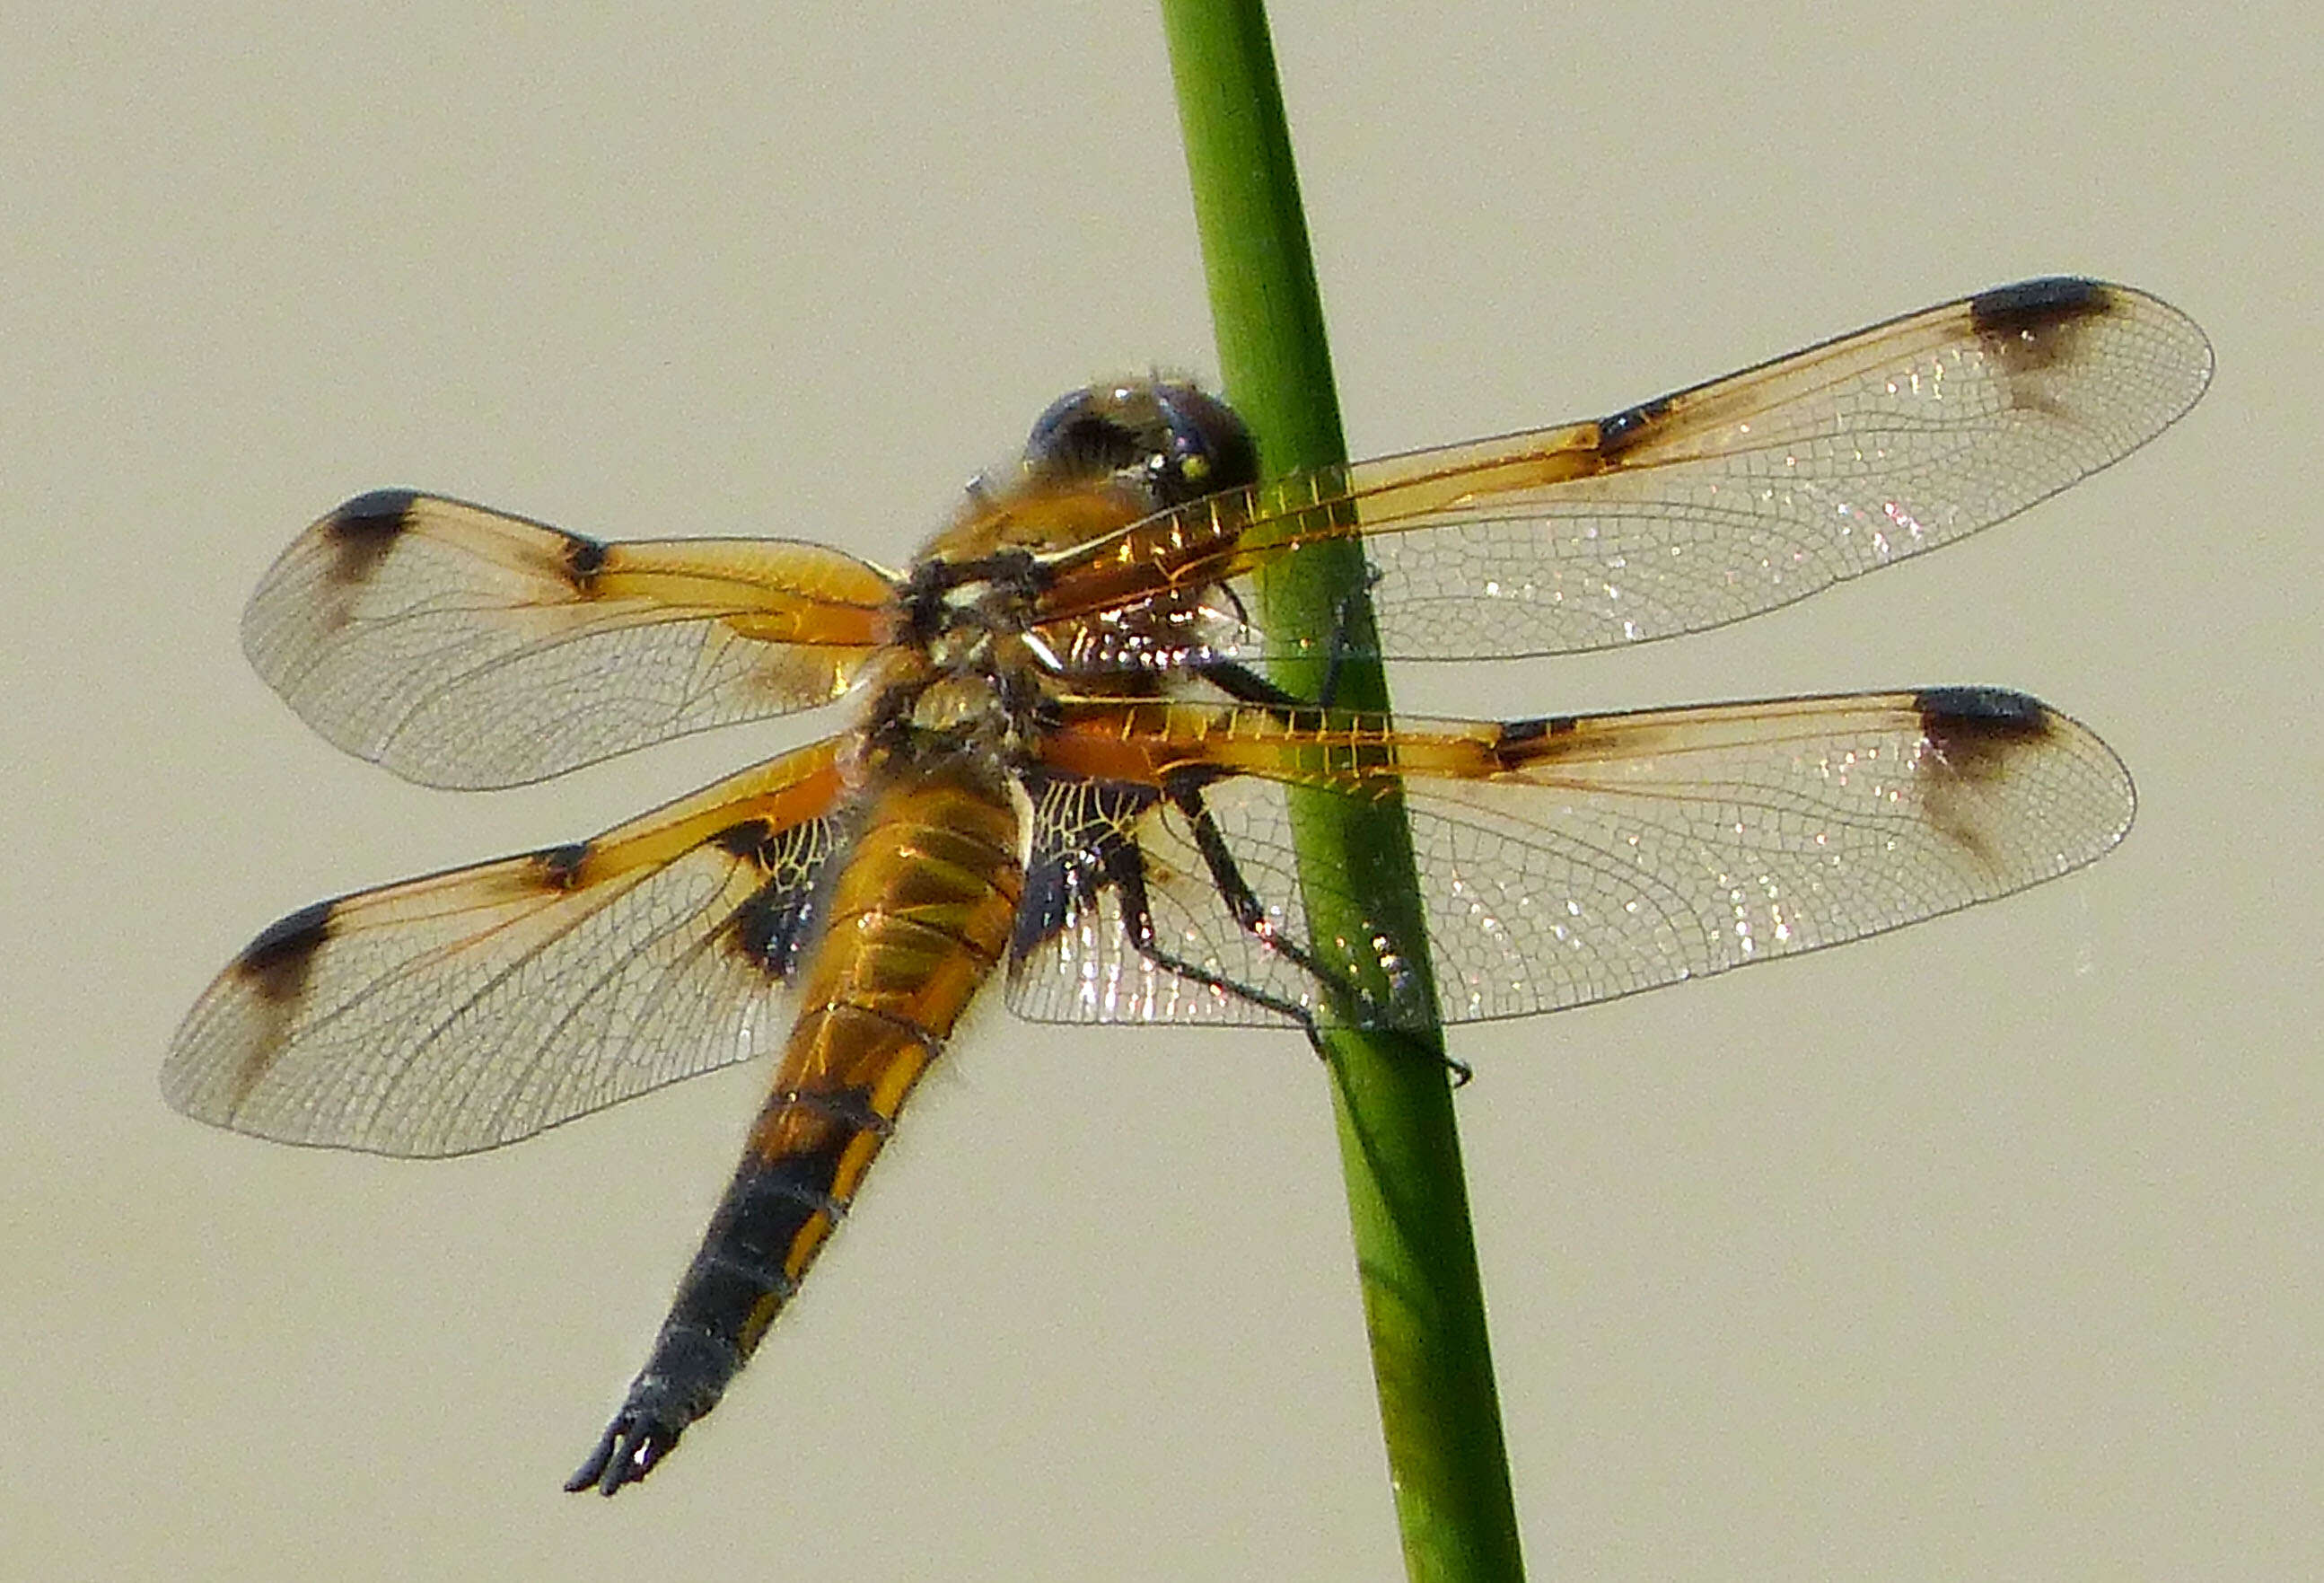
[
  {"x": 276, "y": 962},
  {"x": 2036, "y": 325},
  {"x": 2017, "y": 786},
  {"x": 377, "y": 510},
  {"x": 1982, "y": 712},
  {"x": 1975, "y": 732},
  {"x": 362, "y": 531},
  {"x": 2038, "y": 304}
]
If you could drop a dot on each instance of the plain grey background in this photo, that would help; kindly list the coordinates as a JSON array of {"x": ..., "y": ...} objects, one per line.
[{"x": 1986, "y": 1249}]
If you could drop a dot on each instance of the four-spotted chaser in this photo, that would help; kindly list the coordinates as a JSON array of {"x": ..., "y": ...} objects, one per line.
[{"x": 1066, "y": 770}]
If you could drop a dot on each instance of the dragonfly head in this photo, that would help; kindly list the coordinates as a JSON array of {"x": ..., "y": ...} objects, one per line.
[{"x": 1171, "y": 440}]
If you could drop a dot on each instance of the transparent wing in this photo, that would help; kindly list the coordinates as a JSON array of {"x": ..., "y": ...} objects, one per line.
[
  {"x": 1560, "y": 861},
  {"x": 461, "y": 647},
  {"x": 1682, "y": 514},
  {"x": 477, "y": 1006}
]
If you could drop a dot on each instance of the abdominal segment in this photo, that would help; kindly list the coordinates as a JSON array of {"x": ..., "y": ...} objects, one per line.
[{"x": 917, "y": 916}]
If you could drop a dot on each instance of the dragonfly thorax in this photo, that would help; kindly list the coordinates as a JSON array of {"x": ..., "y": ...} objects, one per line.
[
  {"x": 967, "y": 688},
  {"x": 959, "y": 613},
  {"x": 970, "y": 709}
]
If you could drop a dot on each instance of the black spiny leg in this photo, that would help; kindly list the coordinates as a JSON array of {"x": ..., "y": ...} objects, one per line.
[
  {"x": 1247, "y": 686},
  {"x": 1244, "y": 685},
  {"x": 1128, "y": 880},
  {"x": 1335, "y": 658},
  {"x": 1250, "y": 915}
]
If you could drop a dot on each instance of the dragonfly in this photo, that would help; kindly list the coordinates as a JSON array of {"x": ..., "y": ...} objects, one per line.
[{"x": 1069, "y": 773}]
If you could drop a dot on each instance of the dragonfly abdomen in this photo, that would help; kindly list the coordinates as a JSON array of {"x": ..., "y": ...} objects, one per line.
[{"x": 915, "y": 920}]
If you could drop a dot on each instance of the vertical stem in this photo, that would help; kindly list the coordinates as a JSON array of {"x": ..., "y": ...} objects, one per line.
[{"x": 1415, "y": 1256}]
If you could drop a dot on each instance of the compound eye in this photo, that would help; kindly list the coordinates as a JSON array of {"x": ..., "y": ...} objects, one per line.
[
  {"x": 1086, "y": 434},
  {"x": 1167, "y": 438},
  {"x": 1207, "y": 450}
]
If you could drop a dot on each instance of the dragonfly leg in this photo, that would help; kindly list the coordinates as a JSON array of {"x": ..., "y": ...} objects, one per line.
[
  {"x": 1128, "y": 880},
  {"x": 1241, "y": 682},
  {"x": 1335, "y": 657},
  {"x": 1249, "y": 913},
  {"x": 1244, "y": 685}
]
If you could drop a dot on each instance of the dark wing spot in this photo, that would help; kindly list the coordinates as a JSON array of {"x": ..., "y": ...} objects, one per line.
[
  {"x": 558, "y": 868},
  {"x": 1083, "y": 847},
  {"x": 1974, "y": 729},
  {"x": 275, "y": 965},
  {"x": 775, "y": 924},
  {"x": 772, "y": 927},
  {"x": 1057, "y": 885},
  {"x": 363, "y": 531},
  {"x": 1981, "y": 703},
  {"x": 2030, "y": 326},
  {"x": 1524, "y": 742},
  {"x": 748, "y": 839},
  {"x": 2036, "y": 305},
  {"x": 1974, "y": 735},
  {"x": 1626, "y": 429},
  {"x": 377, "y": 511},
  {"x": 1053, "y": 889},
  {"x": 584, "y": 560}
]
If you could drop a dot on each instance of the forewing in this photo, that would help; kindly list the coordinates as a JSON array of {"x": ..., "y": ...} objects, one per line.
[
  {"x": 1577, "y": 859},
  {"x": 477, "y": 1006},
  {"x": 461, "y": 647},
  {"x": 1683, "y": 512}
]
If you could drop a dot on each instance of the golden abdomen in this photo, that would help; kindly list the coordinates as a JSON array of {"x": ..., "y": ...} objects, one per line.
[
  {"x": 917, "y": 920},
  {"x": 914, "y": 920}
]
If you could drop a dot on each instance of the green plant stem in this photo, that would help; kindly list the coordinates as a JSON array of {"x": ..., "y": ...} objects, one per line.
[{"x": 1415, "y": 1256}]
